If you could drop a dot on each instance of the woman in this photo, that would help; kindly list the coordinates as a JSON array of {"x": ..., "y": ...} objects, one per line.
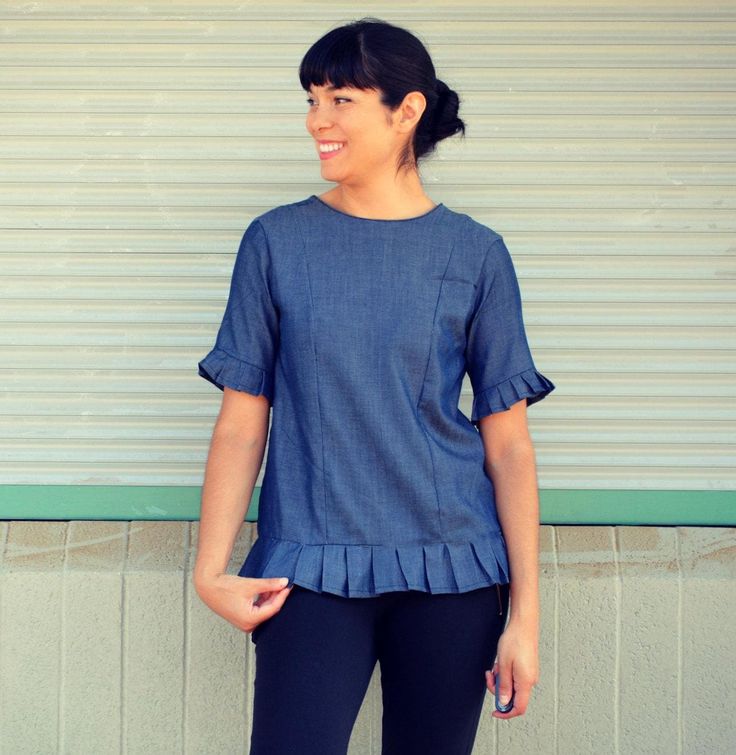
[{"x": 396, "y": 520}]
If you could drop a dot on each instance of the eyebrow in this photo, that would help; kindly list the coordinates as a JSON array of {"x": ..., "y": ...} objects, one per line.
[{"x": 330, "y": 88}]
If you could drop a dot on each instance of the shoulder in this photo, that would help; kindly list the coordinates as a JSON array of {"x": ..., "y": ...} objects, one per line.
[
  {"x": 480, "y": 248},
  {"x": 285, "y": 226},
  {"x": 487, "y": 250},
  {"x": 471, "y": 232},
  {"x": 282, "y": 217}
]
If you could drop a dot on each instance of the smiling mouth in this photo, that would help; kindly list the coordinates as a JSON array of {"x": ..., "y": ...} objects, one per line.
[{"x": 327, "y": 153}]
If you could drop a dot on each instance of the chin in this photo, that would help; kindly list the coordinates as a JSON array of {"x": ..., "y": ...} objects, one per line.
[{"x": 333, "y": 174}]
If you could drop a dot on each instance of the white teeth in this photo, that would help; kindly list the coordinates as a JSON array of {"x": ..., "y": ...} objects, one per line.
[{"x": 330, "y": 147}]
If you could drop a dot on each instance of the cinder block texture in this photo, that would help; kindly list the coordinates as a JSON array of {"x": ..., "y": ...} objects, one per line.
[{"x": 106, "y": 648}]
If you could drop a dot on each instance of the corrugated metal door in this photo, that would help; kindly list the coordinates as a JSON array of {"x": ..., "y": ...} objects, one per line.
[{"x": 138, "y": 142}]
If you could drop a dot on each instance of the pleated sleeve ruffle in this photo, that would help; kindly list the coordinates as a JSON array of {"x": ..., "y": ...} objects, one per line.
[
  {"x": 224, "y": 369},
  {"x": 245, "y": 350},
  {"x": 367, "y": 570},
  {"x": 498, "y": 359}
]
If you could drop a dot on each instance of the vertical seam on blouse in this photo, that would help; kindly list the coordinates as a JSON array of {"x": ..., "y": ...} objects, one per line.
[
  {"x": 424, "y": 381},
  {"x": 313, "y": 338}
]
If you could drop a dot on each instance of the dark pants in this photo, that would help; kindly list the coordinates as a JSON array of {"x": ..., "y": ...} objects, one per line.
[{"x": 315, "y": 658}]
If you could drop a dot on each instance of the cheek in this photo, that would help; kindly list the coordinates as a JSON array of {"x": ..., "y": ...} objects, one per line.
[{"x": 375, "y": 147}]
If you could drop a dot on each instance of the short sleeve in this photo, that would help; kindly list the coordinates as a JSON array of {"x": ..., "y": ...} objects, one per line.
[
  {"x": 498, "y": 359},
  {"x": 245, "y": 350}
]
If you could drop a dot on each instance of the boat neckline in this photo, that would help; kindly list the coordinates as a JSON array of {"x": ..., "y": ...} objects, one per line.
[{"x": 377, "y": 220}]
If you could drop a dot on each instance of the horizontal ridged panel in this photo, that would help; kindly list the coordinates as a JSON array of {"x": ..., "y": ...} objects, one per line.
[
  {"x": 599, "y": 142},
  {"x": 136, "y": 337},
  {"x": 272, "y": 128},
  {"x": 702, "y": 199},
  {"x": 269, "y": 49},
  {"x": 527, "y": 243},
  {"x": 312, "y": 18},
  {"x": 550, "y": 78},
  {"x": 86, "y": 270},
  {"x": 680, "y": 473},
  {"x": 272, "y": 104},
  {"x": 633, "y": 220},
  {"x": 585, "y": 397}
]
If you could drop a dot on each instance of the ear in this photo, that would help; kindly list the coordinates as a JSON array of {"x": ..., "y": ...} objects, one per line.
[{"x": 410, "y": 111}]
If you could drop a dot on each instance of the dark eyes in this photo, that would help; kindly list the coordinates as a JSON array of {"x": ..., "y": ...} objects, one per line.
[{"x": 310, "y": 101}]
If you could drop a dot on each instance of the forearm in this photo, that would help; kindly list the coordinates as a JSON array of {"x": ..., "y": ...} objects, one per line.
[
  {"x": 514, "y": 479},
  {"x": 230, "y": 475}
]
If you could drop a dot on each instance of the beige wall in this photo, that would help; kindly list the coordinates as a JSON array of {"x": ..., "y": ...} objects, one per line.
[{"x": 105, "y": 647}]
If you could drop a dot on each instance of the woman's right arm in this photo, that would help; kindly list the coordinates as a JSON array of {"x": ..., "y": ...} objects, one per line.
[{"x": 233, "y": 462}]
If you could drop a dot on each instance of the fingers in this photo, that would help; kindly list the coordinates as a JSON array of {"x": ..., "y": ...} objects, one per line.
[
  {"x": 271, "y": 602},
  {"x": 502, "y": 675},
  {"x": 490, "y": 679},
  {"x": 279, "y": 598}
]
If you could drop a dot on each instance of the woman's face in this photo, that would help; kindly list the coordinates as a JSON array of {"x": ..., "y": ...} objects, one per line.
[{"x": 369, "y": 134}]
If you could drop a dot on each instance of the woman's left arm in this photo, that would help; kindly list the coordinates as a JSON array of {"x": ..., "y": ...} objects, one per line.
[{"x": 510, "y": 463}]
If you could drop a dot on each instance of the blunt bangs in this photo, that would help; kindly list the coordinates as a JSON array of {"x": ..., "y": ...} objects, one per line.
[{"x": 337, "y": 59}]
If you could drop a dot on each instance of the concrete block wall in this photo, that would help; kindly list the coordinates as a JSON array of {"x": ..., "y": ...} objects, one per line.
[{"x": 106, "y": 648}]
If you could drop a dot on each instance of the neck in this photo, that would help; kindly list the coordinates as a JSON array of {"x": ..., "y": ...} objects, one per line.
[{"x": 402, "y": 197}]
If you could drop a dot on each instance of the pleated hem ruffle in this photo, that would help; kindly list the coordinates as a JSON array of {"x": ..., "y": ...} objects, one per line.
[
  {"x": 223, "y": 369},
  {"x": 529, "y": 384},
  {"x": 368, "y": 570}
]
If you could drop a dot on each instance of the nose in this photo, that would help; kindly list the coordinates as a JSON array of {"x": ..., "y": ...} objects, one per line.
[{"x": 317, "y": 121}]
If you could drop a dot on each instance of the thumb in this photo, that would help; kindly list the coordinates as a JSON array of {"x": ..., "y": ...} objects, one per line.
[
  {"x": 504, "y": 680},
  {"x": 275, "y": 583}
]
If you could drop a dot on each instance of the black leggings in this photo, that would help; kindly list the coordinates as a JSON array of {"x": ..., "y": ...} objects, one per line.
[{"x": 315, "y": 659}]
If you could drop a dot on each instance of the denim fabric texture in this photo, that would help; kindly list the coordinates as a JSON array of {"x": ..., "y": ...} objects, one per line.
[{"x": 359, "y": 331}]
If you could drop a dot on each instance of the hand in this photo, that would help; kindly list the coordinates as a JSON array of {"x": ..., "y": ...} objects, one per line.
[
  {"x": 234, "y": 598},
  {"x": 516, "y": 667}
]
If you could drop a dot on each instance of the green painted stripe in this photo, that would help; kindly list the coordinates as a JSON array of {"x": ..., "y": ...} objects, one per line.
[
  {"x": 165, "y": 502},
  {"x": 106, "y": 502},
  {"x": 664, "y": 507}
]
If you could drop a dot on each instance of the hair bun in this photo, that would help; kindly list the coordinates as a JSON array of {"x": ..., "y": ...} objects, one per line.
[
  {"x": 445, "y": 121},
  {"x": 441, "y": 88}
]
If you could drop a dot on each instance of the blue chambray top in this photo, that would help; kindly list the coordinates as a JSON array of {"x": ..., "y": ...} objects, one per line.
[{"x": 359, "y": 332}]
